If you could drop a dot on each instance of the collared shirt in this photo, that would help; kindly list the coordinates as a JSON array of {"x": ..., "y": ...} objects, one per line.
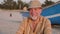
[{"x": 43, "y": 27}]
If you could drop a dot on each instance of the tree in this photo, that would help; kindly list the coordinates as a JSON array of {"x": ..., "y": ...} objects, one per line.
[
  {"x": 9, "y": 4},
  {"x": 20, "y": 4},
  {"x": 26, "y": 5},
  {"x": 47, "y": 3},
  {"x": 1, "y": 6}
]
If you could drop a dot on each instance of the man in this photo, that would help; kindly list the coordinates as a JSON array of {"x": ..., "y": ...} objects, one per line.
[{"x": 35, "y": 24}]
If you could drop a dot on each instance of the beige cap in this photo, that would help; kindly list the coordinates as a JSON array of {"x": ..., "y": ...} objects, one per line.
[{"x": 34, "y": 4}]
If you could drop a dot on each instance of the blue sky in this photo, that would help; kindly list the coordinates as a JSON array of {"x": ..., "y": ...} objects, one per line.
[{"x": 42, "y": 1}]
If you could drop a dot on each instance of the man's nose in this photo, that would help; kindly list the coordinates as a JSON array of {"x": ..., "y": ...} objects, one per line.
[{"x": 33, "y": 10}]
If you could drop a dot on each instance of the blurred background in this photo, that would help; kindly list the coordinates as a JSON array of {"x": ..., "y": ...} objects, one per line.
[
  {"x": 20, "y": 4},
  {"x": 12, "y": 13}
]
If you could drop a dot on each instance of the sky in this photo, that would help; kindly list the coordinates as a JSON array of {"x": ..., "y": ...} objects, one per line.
[{"x": 42, "y": 1}]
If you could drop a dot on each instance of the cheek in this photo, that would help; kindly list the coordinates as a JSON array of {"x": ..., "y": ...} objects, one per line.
[
  {"x": 30, "y": 12},
  {"x": 40, "y": 11}
]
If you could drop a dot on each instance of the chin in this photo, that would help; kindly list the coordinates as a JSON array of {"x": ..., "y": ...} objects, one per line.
[{"x": 34, "y": 18}]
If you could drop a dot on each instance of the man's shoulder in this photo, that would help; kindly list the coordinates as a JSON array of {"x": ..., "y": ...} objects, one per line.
[{"x": 44, "y": 18}]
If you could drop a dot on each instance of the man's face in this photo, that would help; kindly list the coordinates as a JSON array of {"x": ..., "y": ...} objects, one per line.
[{"x": 35, "y": 12}]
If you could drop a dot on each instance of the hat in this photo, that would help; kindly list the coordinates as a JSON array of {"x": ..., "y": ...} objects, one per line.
[{"x": 34, "y": 4}]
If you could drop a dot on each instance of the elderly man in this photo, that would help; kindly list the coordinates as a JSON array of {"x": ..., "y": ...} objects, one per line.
[{"x": 35, "y": 23}]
